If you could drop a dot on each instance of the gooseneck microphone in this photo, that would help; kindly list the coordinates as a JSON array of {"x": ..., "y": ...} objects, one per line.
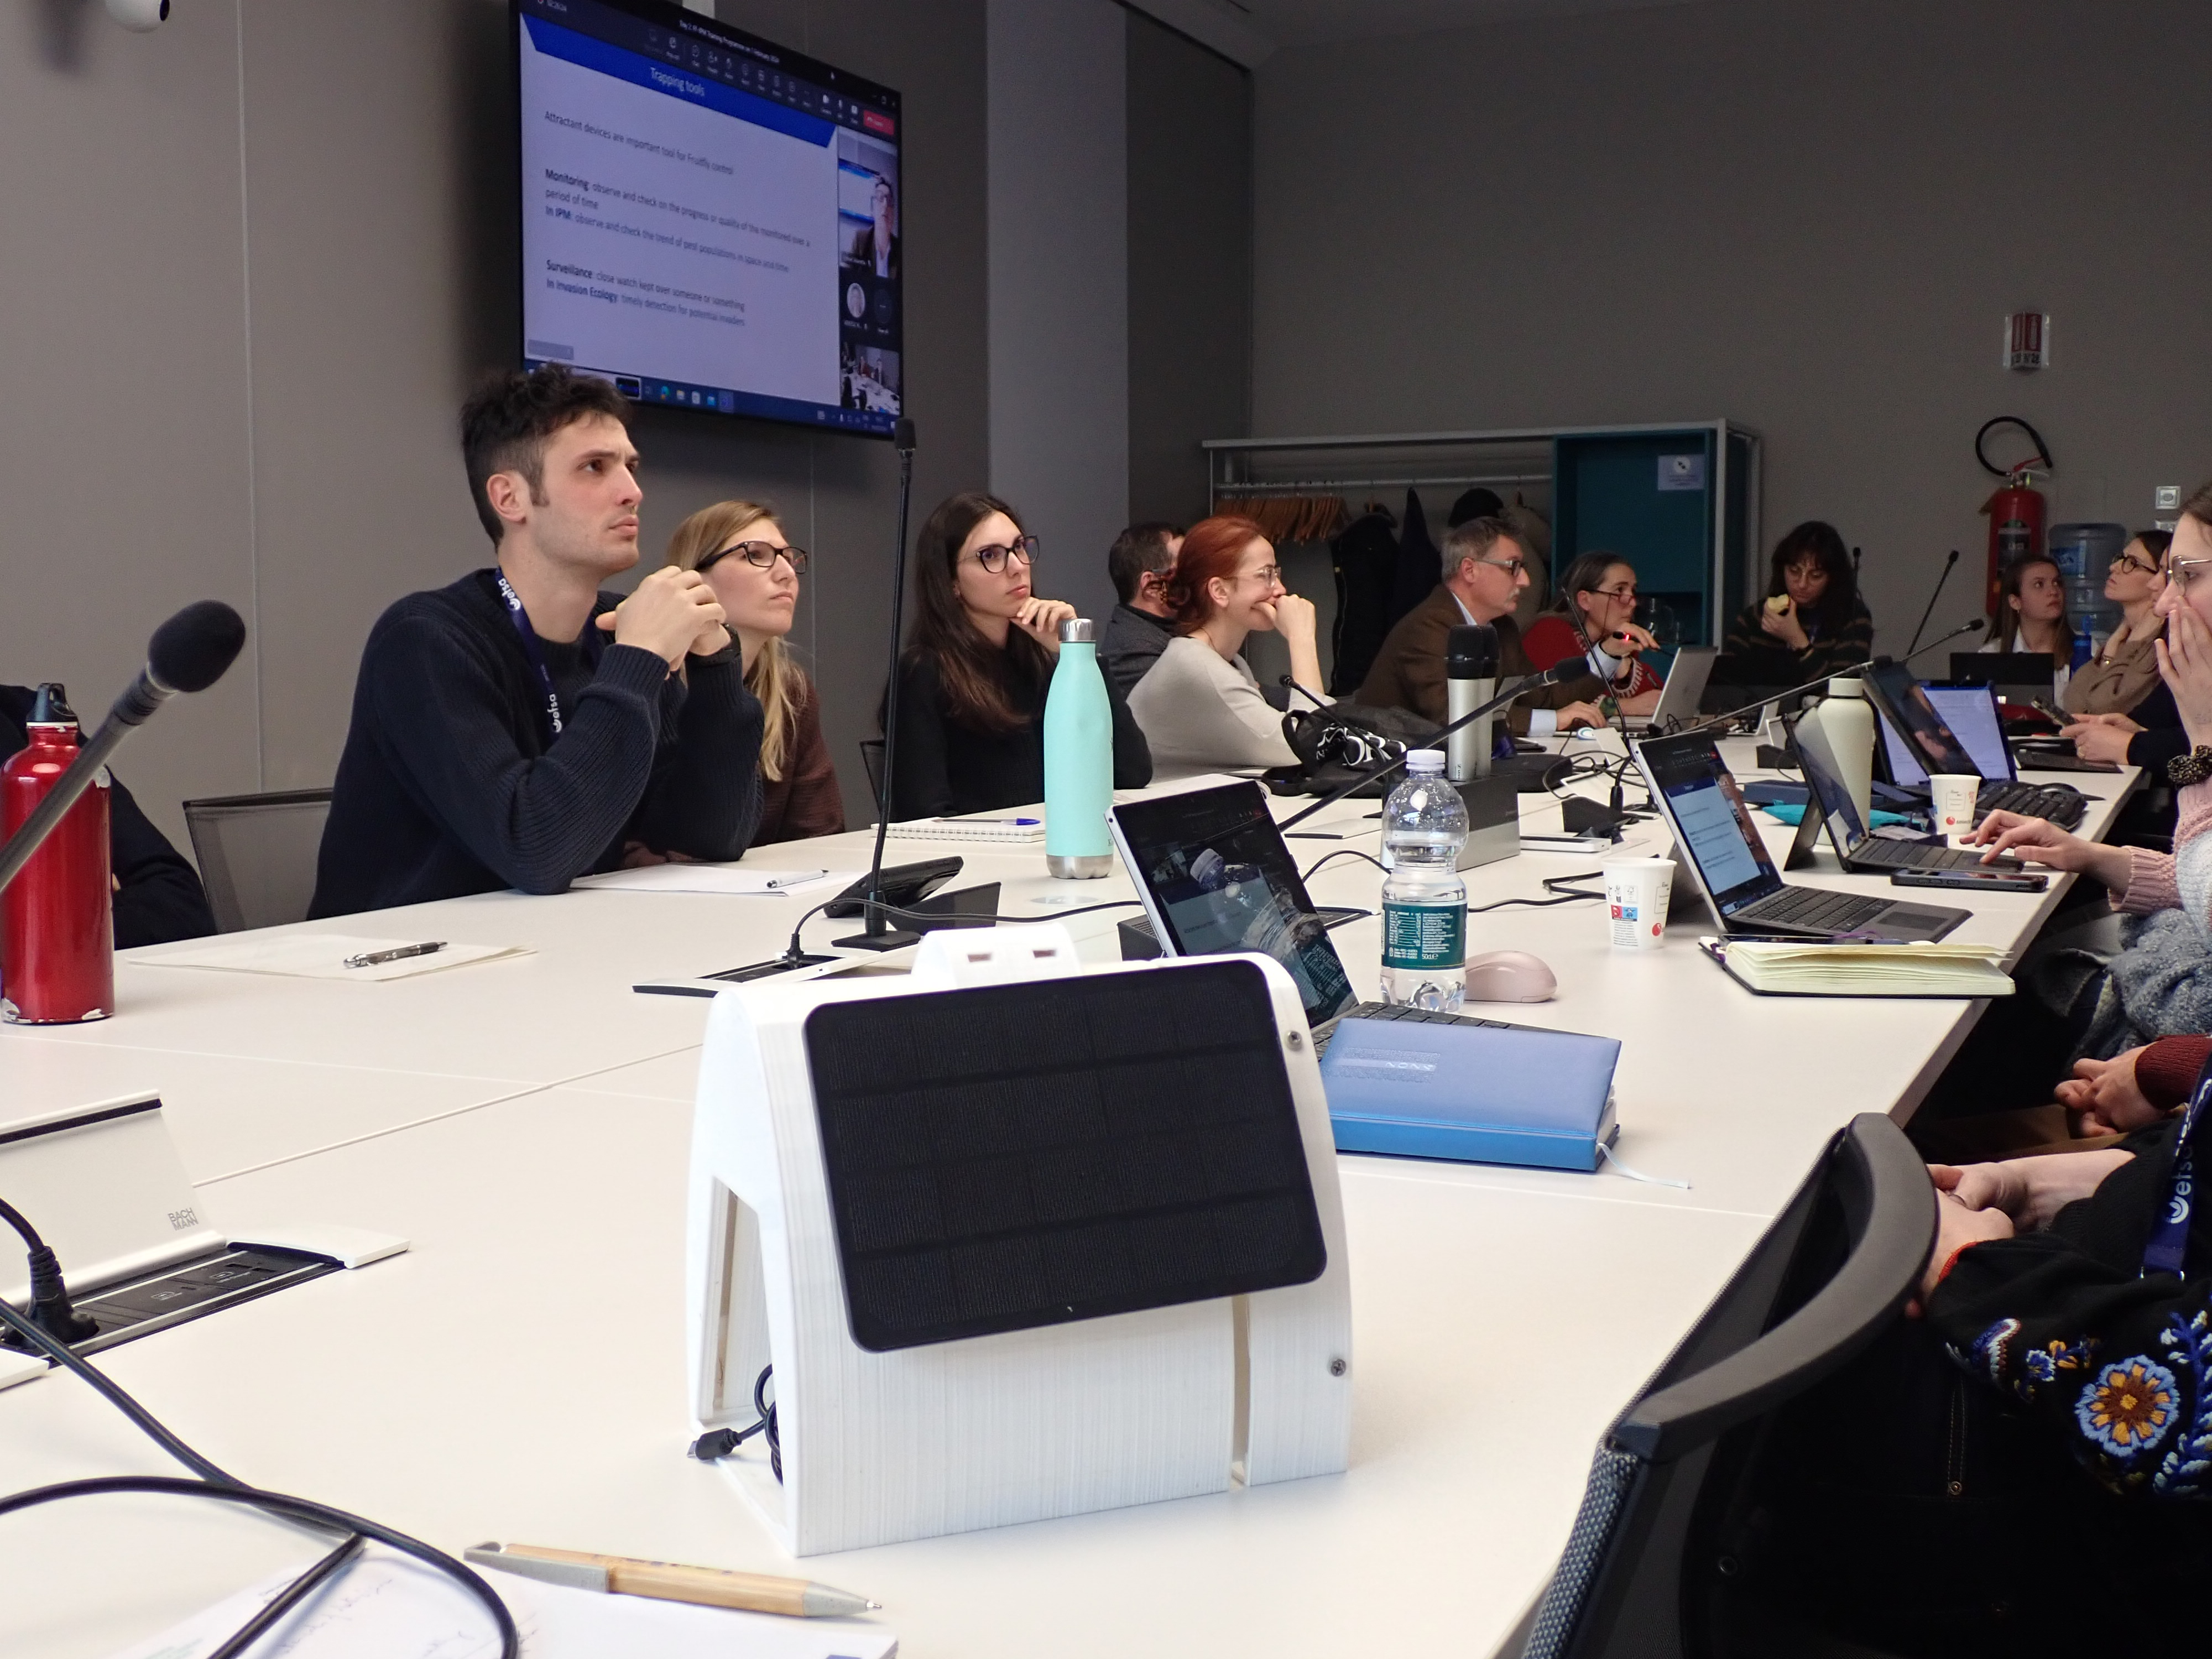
[
  {"x": 189, "y": 653},
  {"x": 1942, "y": 577},
  {"x": 1470, "y": 678},
  {"x": 1569, "y": 668},
  {"x": 878, "y": 934}
]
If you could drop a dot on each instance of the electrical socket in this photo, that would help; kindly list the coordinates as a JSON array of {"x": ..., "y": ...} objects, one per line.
[{"x": 2166, "y": 498}]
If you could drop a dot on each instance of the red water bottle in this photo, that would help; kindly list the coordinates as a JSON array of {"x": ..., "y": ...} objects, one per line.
[{"x": 56, "y": 922}]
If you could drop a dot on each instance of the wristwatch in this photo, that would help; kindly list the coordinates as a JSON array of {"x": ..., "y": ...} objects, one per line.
[{"x": 2194, "y": 767}]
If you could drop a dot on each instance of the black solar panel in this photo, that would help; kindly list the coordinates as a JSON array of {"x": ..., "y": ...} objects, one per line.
[{"x": 1026, "y": 1155}]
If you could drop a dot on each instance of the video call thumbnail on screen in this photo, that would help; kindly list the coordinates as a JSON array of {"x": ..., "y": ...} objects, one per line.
[{"x": 710, "y": 221}]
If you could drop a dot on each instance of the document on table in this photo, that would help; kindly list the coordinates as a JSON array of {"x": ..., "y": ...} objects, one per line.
[
  {"x": 390, "y": 1606},
  {"x": 320, "y": 955},
  {"x": 746, "y": 881}
]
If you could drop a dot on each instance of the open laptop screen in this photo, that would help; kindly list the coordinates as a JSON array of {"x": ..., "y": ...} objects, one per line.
[
  {"x": 1218, "y": 878},
  {"x": 1846, "y": 829},
  {"x": 1903, "y": 704},
  {"x": 1710, "y": 820},
  {"x": 1971, "y": 714}
]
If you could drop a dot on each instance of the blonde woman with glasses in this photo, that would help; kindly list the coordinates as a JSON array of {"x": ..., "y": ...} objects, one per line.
[
  {"x": 2126, "y": 670},
  {"x": 754, "y": 571}
]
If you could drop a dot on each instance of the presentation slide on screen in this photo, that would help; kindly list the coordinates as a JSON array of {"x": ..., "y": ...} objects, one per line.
[{"x": 665, "y": 236}]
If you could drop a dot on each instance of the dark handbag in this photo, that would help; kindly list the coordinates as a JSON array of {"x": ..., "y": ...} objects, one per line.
[{"x": 1344, "y": 741}]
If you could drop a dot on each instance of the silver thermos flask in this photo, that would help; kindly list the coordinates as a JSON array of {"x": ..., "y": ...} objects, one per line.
[{"x": 1470, "y": 681}]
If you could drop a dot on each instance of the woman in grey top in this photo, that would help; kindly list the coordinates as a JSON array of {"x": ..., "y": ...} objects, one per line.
[{"x": 1200, "y": 705}]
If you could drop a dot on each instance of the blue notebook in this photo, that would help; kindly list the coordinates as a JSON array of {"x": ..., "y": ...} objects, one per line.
[{"x": 1473, "y": 1094}]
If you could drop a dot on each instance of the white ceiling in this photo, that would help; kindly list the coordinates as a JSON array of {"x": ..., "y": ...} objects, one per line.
[{"x": 1249, "y": 30}]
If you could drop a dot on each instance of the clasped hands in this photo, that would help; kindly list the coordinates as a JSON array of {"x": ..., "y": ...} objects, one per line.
[
  {"x": 1979, "y": 1201},
  {"x": 673, "y": 614}
]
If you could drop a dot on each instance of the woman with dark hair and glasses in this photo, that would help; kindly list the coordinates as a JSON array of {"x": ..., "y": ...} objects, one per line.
[
  {"x": 1594, "y": 618},
  {"x": 2126, "y": 671},
  {"x": 978, "y": 660},
  {"x": 1199, "y": 704},
  {"x": 1812, "y": 621},
  {"x": 740, "y": 549}
]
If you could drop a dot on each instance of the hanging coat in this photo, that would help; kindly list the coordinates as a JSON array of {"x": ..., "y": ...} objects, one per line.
[
  {"x": 1420, "y": 565},
  {"x": 1365, "y": 561}
]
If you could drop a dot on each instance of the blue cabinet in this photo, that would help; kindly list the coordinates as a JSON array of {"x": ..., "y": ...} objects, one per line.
[{"x": 1679, "y": 503}]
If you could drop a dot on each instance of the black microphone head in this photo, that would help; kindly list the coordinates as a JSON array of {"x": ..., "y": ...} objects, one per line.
[
  {"x": 903, "y": 435},
  {"x": 194, "y": 648},
  {"x": 1471, "y": 653},
  {"x": 1977, "y": 626},
  {"x": 1952, "y": 560}
]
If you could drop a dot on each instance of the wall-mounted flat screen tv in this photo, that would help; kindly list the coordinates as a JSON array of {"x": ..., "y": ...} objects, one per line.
[{"x": 708, "y": 219}]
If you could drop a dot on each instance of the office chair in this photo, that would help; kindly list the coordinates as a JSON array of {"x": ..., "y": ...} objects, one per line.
[
  {"x": 1641, "y": 1573},
  {"x": 256, "y": 854}
]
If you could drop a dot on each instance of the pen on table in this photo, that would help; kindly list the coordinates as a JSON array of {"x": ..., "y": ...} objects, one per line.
[
  {"x": 1019, "y": 821},
  {"x": 664, "y": 1581},
  {"x": 375, "y": 958},
  {"x": 795, "y": 878},
  {"x": 289, "y": 1597}
]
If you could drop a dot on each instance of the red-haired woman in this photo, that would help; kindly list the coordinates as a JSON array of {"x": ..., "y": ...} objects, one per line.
[
  {"x": 1199, "y": 704},
  {"x": 977, "y": 662}
]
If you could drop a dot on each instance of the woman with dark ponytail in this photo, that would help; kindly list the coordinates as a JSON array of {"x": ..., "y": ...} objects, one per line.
[{"x": 978, "y": 660}]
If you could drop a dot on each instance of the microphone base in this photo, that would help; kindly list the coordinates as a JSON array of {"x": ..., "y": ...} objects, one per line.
[{"x": 891, "y": 939}]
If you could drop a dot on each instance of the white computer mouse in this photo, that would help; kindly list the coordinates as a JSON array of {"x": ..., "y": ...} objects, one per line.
[{"x": 1509, "y": 976}]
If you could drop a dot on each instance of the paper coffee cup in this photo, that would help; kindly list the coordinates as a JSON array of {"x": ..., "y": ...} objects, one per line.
[
  {"x": 1636, "y": 895},
  {"x": 1954, "y": 794}
]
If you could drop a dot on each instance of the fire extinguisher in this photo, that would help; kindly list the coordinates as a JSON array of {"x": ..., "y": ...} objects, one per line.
[
  {"x": 2016, "y": 511},
  {"x": 56, "y": 922}
]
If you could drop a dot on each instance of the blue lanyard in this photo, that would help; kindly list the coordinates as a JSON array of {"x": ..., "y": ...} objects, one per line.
[
  {"x": 530, "y": 648},
  {"x": 2169, "y": 1237}
]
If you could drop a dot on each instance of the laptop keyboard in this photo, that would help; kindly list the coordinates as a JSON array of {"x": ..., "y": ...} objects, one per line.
[
  {"x": 1327, "y": 1030},
  {"x": 1815, "y": 908},
  {"x": 1911, "y": 855},
  {"x": 2063, "y": 807}
]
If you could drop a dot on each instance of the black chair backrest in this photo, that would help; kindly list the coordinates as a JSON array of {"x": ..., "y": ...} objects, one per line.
[
  {"x": 1618, "y": 1588},
  {"x": 256, "y": 854},
  {"x": 872, "y": 756}
]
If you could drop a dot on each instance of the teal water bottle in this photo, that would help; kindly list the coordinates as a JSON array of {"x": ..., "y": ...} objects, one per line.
[{"x": 1078, "y": 759}]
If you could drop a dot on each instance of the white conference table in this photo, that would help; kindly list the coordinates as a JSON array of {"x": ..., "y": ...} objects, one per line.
[{"x": 519, "y": 1373}]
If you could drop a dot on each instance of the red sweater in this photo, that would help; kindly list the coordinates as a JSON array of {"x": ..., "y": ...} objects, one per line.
[{"x": 1552, "y": 638}]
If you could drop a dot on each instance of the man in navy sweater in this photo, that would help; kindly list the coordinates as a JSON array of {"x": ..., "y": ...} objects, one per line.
[{"x": 520, "y": 727}]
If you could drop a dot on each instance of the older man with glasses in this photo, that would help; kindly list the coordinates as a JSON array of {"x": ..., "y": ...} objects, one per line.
[{"x": 1484, "y": 572}]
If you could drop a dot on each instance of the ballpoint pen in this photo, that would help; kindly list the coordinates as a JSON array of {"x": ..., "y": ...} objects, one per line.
[
  {"x": 664, "y": 1581},
  {"x": 378, "y": 959}
]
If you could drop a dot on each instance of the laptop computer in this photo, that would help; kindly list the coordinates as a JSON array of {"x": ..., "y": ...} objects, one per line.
[
  {"x": 1684, "y": 690},
  {"x": 1216, "y": 877},
  {"x": 1957, "y": 729},
  {"x": 2018, "y": 676},
  {"x": 1859, "y": 849},
  {"x": 1697, "y": 796}
]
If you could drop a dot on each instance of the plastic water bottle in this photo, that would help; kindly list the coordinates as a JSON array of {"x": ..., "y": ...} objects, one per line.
[
  {"x": 2085, "y": 648},
  {"x": 1079, "y": 760},
  {"x": 1424, "y": 900}
]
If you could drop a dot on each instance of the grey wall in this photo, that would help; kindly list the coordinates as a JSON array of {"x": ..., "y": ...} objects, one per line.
[
  {"x": 1811, "y": 218},
  {"x": 1059, "y": 284},
  {"x": 255, "y": 260},
  {"x": 1190, "y": 265}
]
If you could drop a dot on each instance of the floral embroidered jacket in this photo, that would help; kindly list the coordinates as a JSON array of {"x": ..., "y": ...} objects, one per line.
[{"x": 2116, "y": 1362}]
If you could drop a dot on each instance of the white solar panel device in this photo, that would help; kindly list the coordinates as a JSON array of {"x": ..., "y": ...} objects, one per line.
[{"x": 1042, "y": 1240}]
